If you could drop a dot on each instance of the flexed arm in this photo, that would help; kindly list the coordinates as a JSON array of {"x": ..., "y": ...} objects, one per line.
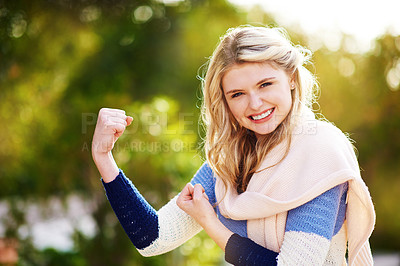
[
  {"x": 111, "y": 124},
  {"x": 150, "y": 231}
]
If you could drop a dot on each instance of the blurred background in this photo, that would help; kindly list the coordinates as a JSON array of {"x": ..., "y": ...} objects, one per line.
[{"x": 62, "y": 60}]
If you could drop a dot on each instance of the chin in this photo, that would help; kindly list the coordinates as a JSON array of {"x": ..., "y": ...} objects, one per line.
[{"x": 264, "y": 131}]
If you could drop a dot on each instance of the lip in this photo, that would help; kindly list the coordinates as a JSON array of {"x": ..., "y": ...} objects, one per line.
[{"x": 263, "y": 119}]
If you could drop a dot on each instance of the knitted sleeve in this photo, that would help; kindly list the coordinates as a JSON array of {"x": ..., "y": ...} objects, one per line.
[
  {"x": 314, "y": 233},
  {"x": 311, "y": 231},
  {"x": 154, "y": 232},
  {"x": 243, "y": 251},
  {"x": 136, "y": 216}
]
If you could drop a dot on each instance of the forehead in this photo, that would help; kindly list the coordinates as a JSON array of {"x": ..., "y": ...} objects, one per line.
[{"x": 241, "y": 76}]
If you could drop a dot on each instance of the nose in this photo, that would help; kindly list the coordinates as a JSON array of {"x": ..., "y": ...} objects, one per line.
[{"x": 255, "y": 101}]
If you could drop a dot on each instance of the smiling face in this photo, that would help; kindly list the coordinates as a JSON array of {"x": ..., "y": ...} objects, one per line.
[{"x": 258, "y": 95}]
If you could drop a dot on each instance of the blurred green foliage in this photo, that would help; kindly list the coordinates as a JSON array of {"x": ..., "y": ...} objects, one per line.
[{"x": 62, "y": 60}]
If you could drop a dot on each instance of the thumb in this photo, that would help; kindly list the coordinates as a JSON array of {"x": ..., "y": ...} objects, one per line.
[
  {"x": 185, "y": 196},
  {"x": 190, "y": 188},
  {"x": 129, "y": 120},
  {"x": 187, "y": 191}
]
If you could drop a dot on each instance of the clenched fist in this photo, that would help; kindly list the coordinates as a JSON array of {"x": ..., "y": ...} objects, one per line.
[
  {"x": 111, "y": 124},
  {"x": 194, "y": 201}
]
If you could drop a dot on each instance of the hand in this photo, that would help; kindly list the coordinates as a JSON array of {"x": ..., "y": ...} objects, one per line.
[
  {"x": 194, "y": 201},
  {"x": 111, "y": 124}
]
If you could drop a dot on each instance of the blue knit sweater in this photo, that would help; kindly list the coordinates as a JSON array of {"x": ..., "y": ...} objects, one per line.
[{"x": 315, "y": 224}]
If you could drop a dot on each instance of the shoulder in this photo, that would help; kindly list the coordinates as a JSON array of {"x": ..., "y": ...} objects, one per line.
[
  {"x": 317, "y": 135},
  {"x": 315, "y": 129},
  {"x": 325, "y": 129},
  {"x": 204, "y": 172},
  {"x": 321, "y": 144}
]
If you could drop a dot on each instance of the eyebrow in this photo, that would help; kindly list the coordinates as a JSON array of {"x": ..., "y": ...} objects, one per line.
[{"x": 257, "y": 84}]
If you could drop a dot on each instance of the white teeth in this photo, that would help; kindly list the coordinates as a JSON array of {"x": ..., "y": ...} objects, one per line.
[{"x": 261, "y": 116}]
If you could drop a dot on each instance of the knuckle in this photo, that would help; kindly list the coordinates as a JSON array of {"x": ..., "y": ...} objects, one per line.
[
  {"x": 103, "y": 118},
  {"x": 107, "y": 124},
  {"x": 120, "y": 127},
  {"x": 103, "y": 110},
  {"x": 199, "y": 185}
]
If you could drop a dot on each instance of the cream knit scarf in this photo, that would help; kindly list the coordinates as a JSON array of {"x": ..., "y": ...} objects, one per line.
[{"x": 320, "y": 157}]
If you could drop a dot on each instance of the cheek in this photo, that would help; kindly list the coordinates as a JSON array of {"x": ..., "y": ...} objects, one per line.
[
  {"x": 285, "y": 98},
  {"x": 289, "y": 98},
  {"x": 236, "y": 110}
]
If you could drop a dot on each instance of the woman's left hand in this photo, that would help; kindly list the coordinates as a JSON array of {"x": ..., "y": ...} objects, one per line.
[{"x": 194, "y": 201}]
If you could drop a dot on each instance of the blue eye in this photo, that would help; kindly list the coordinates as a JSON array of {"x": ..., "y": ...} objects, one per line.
[
  {"x": 237, "y": 94},
  {"x": 266, "y": 84}
]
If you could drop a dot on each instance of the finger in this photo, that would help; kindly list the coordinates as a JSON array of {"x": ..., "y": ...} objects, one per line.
[
  {"x": 117, "y": 120},
  {"x": 117, "y": 123},
  {"x": 116, "y": 128},
  {"x": 200, "y": 187},
  {"x": 182, "y": 197},
  {"x": 129, "y": 120},
  {"x": 106, "y": 112},
  {"x": 198, "y": 192},
  {"x": 187, "y": 191},
  {"x": 106, "y": 117},
  {"x": 112, "y": 110},
  {"x": 191, "y": 188},
  {"x": 117, "y": 115},
  {"x": 203, "y": 192}
]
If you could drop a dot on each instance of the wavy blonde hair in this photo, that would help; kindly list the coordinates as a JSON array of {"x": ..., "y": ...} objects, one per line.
[{"x": 232, "y": 151}]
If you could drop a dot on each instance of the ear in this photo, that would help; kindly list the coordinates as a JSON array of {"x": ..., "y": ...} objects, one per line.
[{"x": 292, "y": 82}]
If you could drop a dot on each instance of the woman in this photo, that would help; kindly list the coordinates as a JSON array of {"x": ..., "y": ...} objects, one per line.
[{"x": 286, "y": 187}]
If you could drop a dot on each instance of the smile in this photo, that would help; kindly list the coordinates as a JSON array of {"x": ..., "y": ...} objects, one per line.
[{"x": 262, "y": 115}]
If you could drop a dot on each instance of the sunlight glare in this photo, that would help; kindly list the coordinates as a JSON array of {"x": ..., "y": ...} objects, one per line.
[{"x": 364, "y": 20}]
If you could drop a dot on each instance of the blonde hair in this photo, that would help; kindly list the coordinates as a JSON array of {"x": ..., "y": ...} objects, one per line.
[{"x": 232, "y": 151}]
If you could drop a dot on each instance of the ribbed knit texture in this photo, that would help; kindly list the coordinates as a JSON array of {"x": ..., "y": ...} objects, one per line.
[
  {"x": 337, "y": 249},
  {"x": 243, "y": 251},
  {"x": 310, "y": 228},
  {"x": 139, "y": 219},
  {"x": 175, "y": 228},
  {"x": 316, "y": 216}
]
